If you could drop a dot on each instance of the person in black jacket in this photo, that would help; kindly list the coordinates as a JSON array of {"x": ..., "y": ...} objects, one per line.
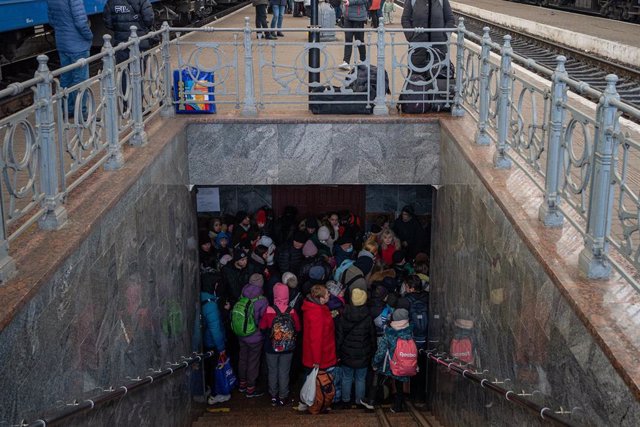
[
  {"x": 120, "y": 15},
  {"x": 235, "y": 275},
  {"x": 290, "y": 258},
  {"x": 355, "y": 343},
  {"x": 409, "y": 231}
]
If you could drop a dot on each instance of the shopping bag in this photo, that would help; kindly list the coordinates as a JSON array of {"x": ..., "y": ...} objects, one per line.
[
  {"x": 193, "y": 91},
  {"x": 224, "y": 377},
  {"x": 308, "y": 392}
]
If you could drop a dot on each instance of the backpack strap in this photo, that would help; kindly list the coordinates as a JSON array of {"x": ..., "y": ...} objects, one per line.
[
  {"x": 353, "y": 279},
  {"x": 277, "y": 310},
  {"x": 288, "y": 310}
]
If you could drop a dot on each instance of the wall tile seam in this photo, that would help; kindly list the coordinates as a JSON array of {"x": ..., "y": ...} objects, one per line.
[
  {"x": 75, "y": 207},
  {"x": 609, "y": 348}
]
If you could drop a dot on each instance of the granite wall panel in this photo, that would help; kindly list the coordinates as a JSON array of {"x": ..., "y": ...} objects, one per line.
[
  {"x": 313, "y": 153},
  {"x": 119, "y": 305},
  {"x": 524, "y": 329}
]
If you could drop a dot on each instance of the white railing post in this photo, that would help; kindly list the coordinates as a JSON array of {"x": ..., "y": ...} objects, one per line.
[
  {"x": 482, "y": 136},
  {"x": 500, "y": 159},
  {"x": 380, "y": 106},
  {"x": 139, "y": 136},
  {"x": 168, "y": 109},
  {"x": 249, "y": 105},
  {"x": 457, "y": 110},
  {"x": 109, "y": 93}
]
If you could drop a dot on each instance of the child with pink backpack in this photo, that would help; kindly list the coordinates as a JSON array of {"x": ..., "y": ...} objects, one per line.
[{"x": 397, "y": 357}]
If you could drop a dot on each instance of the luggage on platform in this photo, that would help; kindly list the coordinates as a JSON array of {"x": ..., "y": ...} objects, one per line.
[{"x": 193, "y": 90}]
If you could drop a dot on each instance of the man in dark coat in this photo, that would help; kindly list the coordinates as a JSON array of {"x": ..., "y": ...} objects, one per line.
[
  {"x": 73, "y": 40},
  {"x": 409, "y": 231},
  {"x": 417, "y": 13},
  {"x": 120, "y": 15},
  {"x": 290, "y": 258},
  {"x": 235, "y": 276}
]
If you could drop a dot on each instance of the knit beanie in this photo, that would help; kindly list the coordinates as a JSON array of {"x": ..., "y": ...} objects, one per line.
[
  {"x": 224, "y": 260},
  {"x": 265, "y": 241},
  {"x": 358, "y": 297},
  {"x": 398, "y": 256},
  {"x": 309, "y": 249},
  {"x": 400, "y": 314},
  {"x": 334, "y": 287},
  {"x": 256, "y": 280},
  {"x": 316, "y": 273},
  {"x": 323, "y": 233},
  {"x": 281, "y": 296},
  {"x": 290, "y": 280},
  {"x": 300, "y": 237},
  {"x": 261, "y": 217},
  {"x": 238, "y": 255}
]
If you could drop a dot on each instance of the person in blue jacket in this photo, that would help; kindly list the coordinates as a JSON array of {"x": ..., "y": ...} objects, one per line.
[
  {"x": 73, "y": 40},
  {"x": 213, "y": 333}
]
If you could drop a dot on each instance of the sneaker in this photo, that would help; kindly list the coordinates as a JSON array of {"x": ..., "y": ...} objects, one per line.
[
  {"x": 344, "y": 66},
  {"x": 274, "y": 401},
  {"x": 242, "y": 389},
  {"x": 282, "y": 402},
  {"x": 218, "y": 398},
  {"x": 254, "y": 393},
  {"x": 302, "y": 407},
  {"x": 368, "y": 405},
  {"x": 280, "y": 34}
]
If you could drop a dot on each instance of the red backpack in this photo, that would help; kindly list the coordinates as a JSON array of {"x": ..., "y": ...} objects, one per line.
[{"x": 404, "y": 362}]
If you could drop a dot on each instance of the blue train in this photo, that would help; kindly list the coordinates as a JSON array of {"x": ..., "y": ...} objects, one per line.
[{"x": 24, "y": 31}]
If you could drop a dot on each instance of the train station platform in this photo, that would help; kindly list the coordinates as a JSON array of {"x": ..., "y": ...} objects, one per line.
[{"x": 606, "y": 38}]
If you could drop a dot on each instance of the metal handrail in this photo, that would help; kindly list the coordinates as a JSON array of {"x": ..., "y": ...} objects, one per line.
[
  {"x": 473, "y": 375},
  {"x": 110, "y": 394}
]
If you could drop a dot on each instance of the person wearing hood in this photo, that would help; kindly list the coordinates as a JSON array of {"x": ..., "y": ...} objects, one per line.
[
  {"x": 318, "y": 342},
  {"x": 321, "y": 242},
  {"x": 355, "y": 341},
  {"x": 290, "y": 258},
  {"x": 398, "y": 329},
  {"x": 213, "y": 331},
  {"x": 343, "y": 249},
  {"x": 251, "y": 346},
  {"x": 278, "y": 360},
  {"x": 222, "y": 244},
  {"x": 409, "y": 231}
]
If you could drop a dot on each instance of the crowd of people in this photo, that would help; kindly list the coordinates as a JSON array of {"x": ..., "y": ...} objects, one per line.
[{"x": 282, "y": 296}]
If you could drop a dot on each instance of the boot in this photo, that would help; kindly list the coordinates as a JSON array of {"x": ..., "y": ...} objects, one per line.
[{"x": 397, "y": 403}]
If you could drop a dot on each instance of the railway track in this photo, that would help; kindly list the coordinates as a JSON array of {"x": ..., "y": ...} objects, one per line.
[
  {"x": 580, "y": 66},
  {"x": 24, "y": 69}
]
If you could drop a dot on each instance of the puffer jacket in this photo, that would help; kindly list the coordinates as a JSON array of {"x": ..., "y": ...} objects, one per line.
[
  {"x": 71, "y": 25},
  {"x": 120, "y": 15},
  {"x": 356, "y": 10},
  {"x": 417, "y": 15},
  {"x": 388, "y": 344},
  {"x": 355, "y": 337},
  {"x": 213, "y": 329},
  {"x": 318, "y": 339}
]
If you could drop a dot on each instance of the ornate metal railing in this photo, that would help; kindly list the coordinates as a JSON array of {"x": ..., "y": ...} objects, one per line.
[{"x": 582, "y": 159}]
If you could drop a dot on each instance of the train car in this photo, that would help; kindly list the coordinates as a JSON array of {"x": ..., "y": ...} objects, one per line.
[
  {"x": 24, "y": 29},
  {"x": 624, "y": 10}
]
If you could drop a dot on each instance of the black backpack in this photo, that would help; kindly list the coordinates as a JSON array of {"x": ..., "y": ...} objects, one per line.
[{"x": 419, "y": 319}]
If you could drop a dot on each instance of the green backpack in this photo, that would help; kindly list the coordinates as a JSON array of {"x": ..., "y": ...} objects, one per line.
[{"x": 243, "y": 322}]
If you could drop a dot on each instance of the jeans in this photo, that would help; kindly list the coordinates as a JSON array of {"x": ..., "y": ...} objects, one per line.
[
  {"x": 337, "y": 383},
  {"x": 261, "y": 16},
  {"x": 278, "y": 365},
  {"x": 349, "y": 37},
  {"x": 74, "y": 77},
  {"x": 348, "y": 375},
  {"x": 278, "y": 14}
]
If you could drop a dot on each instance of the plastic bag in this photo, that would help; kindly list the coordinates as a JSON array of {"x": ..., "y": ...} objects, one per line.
[
  {"x": 225, "y": 379},
  {"x": 308, "y": 392}
]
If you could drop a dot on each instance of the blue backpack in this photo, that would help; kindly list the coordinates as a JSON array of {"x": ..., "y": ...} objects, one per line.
[{"x": 337, "y": 276}]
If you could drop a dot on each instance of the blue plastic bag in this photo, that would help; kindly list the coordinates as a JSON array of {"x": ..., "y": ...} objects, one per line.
[
  {"x": 194, "y": 91},
  {"x": 225, "y": 379}
]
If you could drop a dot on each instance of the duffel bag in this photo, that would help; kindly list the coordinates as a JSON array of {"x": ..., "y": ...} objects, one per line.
[
  {"x": 334, "y": 101},
  {"x": 419, "y": 97}
]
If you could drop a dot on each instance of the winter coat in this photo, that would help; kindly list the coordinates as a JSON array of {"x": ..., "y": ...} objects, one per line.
[
  {"x": 356, "y": 10},
  {"x": 411, "y": 231},
  {"x": 120, "y": 15},
  {"x": 323, "y": 249},
  {"x": 386, "y": 254},
  {"x": 290, "y": 259},
  {"x": 278, "y": 2},
  {"x": 388, "y": 344},
  {"x": 375, "y": 5},
  {"x": 353, "y": 278},
  {"x": 213, "y": 328},
  {"x": 260, "y": 2},
  {"x": 259, "y": 308},
  {"x": 258, "y": 265},
  {"x": 308, "y": 263},
  {"x": 318, "y": 341},
  {"x": 234, "y": 280},
  {"x": 71, "y": 25},
  {"x": 417, "y": 15},
  {"x": 355, "y": 337}
]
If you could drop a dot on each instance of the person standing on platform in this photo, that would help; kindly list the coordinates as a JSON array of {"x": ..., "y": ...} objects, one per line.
[
  {"x": 355, "y": 16},
  {"x": 374, "y": 10},
  {"x": 278, "y": 7},
  {"x": 73, "y": 41},
  {"x": 261, "y": 18},
  {"x": 426, "y": 14},
  {"x": 120, "y": 15},
  {"x": 388, "y": 7}
]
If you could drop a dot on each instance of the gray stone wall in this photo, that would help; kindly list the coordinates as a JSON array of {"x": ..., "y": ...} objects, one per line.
[
  {"x": 122, "y": 303},
  {"x": 524, "y": 329},
  {"x": 313, "y": 153}
]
